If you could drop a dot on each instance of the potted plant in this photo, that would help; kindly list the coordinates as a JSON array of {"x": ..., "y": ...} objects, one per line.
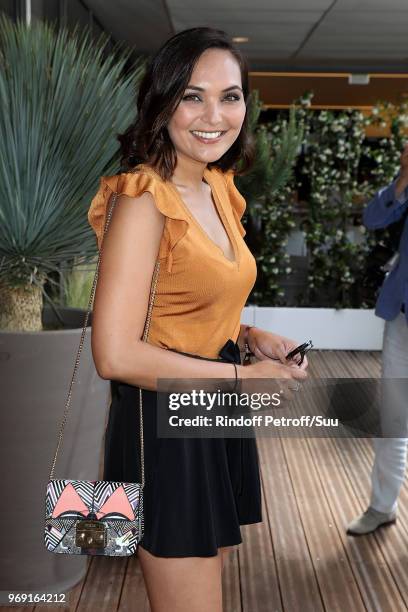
[{"x": 64, "y": 98}]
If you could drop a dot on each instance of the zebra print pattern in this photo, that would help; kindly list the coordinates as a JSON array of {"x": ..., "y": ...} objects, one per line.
[{"x": 89, "y": 499}]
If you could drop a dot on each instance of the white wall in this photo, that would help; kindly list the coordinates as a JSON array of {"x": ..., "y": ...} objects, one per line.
[{"x": 345, "y": 329}]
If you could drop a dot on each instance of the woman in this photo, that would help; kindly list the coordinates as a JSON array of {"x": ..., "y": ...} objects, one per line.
[{"x": 177, "y": 202}]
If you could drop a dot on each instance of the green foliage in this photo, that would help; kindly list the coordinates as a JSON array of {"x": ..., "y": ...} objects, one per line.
[
  {"x": 285, "y": 137},
  {"x": 385, "y": 154},
  {"x": 266, "y": 189},
  {"x": 63, "y": 101},
  {"x": 77, "y": 285},
  {"x": 338, "y": 244},
  {"x": 276, "y": 148},
  {"x": 340, "y": 170},
  {"x": 332, "y": 159}
]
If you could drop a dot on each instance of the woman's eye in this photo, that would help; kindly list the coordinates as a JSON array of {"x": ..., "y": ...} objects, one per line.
[
  {"x": 228, "y": 98},
  {"x": 190, "y": 97}
]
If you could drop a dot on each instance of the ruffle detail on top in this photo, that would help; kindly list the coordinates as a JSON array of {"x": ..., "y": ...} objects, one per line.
[
  {"x": 238, "y": 202},
  {"x": 133, "y": 184}
]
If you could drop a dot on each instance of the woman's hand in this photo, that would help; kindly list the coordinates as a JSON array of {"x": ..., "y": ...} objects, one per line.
[
  {"x": 266, "y": 345},
  {"x": 271, "y": 377},
  {"x": 272, "y": 368}
]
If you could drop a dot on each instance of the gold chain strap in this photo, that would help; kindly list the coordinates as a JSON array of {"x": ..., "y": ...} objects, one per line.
[
  {"x": 81, "y": 343},
  {"x": 145, "y": 333}
]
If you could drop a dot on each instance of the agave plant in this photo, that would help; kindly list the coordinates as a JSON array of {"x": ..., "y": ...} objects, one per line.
[
  {"x": 63, "y": 100},
  {"x": 77, "y": 284}
]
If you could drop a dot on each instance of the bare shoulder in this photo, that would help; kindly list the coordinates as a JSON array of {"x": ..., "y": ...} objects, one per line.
[
  {"x": 135, "y": 222},
  {"x": 130, "y": 250},
  {"x": 137, "y": 207}
]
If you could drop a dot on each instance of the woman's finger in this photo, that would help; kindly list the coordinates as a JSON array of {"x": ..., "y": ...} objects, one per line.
[{"x": 305, "y": 363}]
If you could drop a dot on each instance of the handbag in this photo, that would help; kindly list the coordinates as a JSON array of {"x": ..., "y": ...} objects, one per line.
[{"x": 96, "y": 517}]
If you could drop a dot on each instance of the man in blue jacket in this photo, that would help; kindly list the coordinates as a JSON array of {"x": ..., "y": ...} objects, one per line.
[{"x": 389, "y": 205}]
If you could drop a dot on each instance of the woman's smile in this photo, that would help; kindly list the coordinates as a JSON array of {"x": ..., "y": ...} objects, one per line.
[{"x": 208, "y": 137}]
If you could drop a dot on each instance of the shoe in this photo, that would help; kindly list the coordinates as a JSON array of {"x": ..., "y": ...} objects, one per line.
[{"x": 370, "y": 520}]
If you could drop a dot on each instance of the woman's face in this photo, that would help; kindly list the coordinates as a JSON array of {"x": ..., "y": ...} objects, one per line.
[{"x": 210, "y": 114}]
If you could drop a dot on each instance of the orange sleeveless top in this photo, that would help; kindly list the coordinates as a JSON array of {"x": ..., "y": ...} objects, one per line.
[{"x": 200, "y": 293}]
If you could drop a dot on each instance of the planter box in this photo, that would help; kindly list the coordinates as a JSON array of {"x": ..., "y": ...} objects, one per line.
[
  {"x": 328, "y": 328},
  {"x": 36, "y": 369}
]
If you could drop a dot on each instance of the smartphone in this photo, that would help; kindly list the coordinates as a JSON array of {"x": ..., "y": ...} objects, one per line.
[{"x": 302, "y": 349}]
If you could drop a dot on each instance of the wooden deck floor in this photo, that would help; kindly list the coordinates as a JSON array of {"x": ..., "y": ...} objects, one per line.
[{"x": 299, "y": 559}]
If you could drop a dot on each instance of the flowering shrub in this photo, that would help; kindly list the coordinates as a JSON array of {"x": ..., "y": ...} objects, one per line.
[{"x": 339, "y": 170}]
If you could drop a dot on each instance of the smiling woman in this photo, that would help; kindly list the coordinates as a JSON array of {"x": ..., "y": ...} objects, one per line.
[
  {"x": 207, "y": 123},
  {"x": 178, "y": 212},
  {"x": 192, "y": 85},
  {"x": 203, "y": 135}
]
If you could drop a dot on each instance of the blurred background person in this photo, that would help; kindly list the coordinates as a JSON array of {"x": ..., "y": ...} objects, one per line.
[{"x": 389, "y": 206}]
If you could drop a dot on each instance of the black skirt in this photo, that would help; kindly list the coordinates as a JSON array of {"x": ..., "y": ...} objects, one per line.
[{"x": 198, "y": 491}]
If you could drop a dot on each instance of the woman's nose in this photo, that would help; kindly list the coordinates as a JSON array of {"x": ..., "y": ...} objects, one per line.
[{"x": 212, "y": 113}]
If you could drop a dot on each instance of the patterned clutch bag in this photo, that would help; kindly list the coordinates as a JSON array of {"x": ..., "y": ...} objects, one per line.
[{"x": 95, "y": 517}]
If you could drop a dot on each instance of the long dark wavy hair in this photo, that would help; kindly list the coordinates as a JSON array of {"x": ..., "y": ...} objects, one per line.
[{"x": 147, "y": 140}]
